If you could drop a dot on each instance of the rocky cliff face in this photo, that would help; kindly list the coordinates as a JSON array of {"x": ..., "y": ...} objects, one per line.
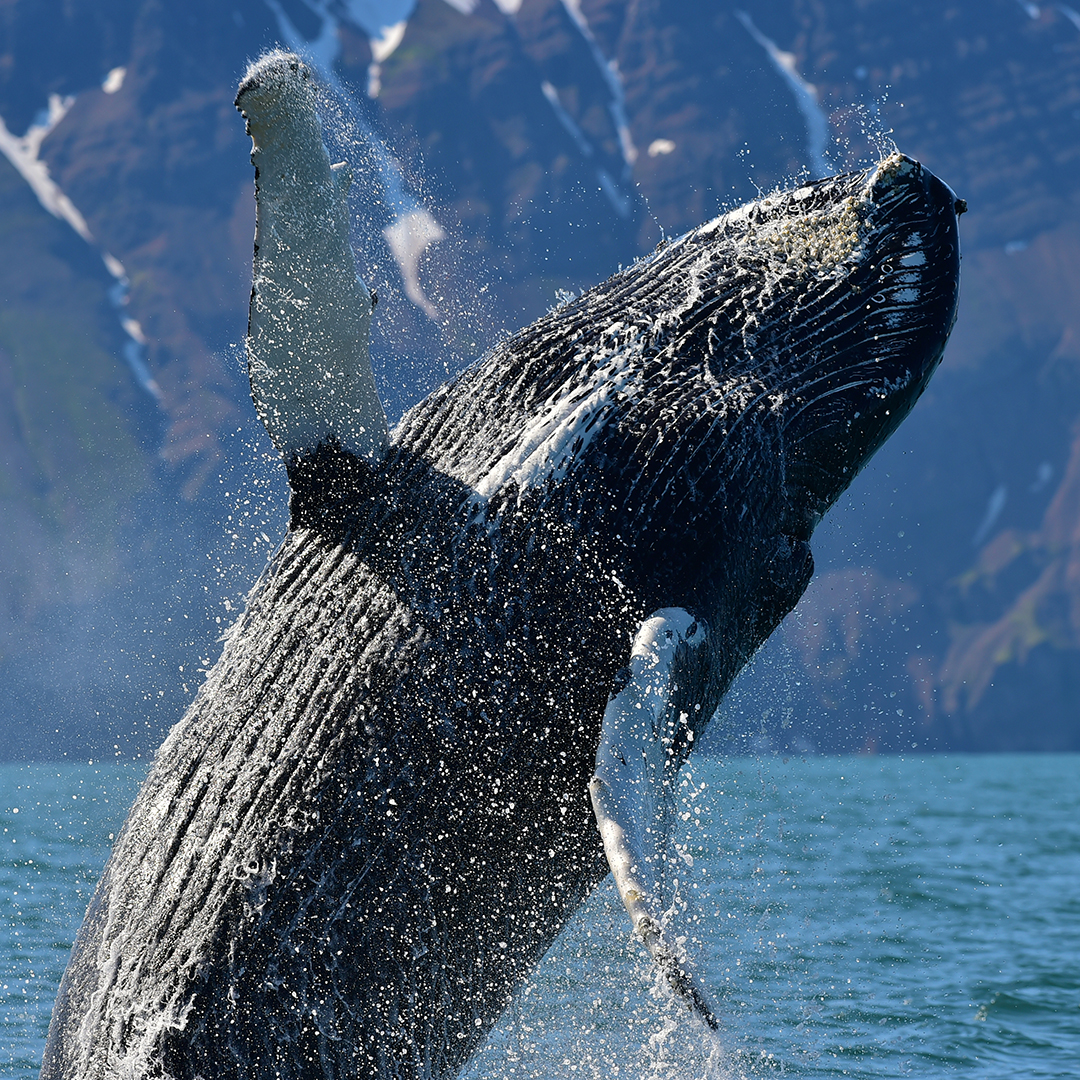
[{"x": 504, "y": 152}]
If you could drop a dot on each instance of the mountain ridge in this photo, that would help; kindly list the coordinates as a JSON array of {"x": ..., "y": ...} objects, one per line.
[{"x": 547, "y": 143}]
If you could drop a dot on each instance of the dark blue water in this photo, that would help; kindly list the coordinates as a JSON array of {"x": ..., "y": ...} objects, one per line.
[{"x": 869, "y": 917}]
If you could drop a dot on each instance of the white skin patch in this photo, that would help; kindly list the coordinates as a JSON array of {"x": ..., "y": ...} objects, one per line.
[{"x": 562, "y": 429}]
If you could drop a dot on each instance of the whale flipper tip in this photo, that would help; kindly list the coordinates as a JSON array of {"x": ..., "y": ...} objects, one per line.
[
  {"x": 273, "y": 67},
  {"x": 642, "y": 741}
]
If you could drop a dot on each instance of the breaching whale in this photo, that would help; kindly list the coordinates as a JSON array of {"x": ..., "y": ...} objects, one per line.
[{"x": 491, "y": 630}]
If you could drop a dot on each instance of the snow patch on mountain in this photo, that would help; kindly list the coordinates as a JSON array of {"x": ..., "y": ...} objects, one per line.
[
  {"x": 609, "y": 69},
  {"x": 374, "y": 17},
  {"x": 387, "y": 40},
  {"x": 618, "y": 200},
  {"x": 382, "y": 46},
  {"x": 1071, "y": 14},
  {"x": 408, "y": 236},
  {"x": 566, "y": 119},
  {"x": 114, "y": 80},
  {"x": 413, "y": 229},
  {"x": 996, "y": 503},
  {"x": 24, "y": 153},
  {"x": 135, "y": 347},
  {"x": 806, "y": 98}
]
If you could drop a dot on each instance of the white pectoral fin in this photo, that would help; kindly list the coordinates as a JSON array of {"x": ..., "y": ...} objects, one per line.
[
  {"x": 631, "y": 789},
  {"x": 310, "y": 317}
]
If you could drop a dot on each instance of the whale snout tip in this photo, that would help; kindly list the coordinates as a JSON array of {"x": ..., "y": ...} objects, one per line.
[
  {"x": 899, "y": 170},
  {"x": 895, "y": 169},
  {"x": 275, "y": 70}
]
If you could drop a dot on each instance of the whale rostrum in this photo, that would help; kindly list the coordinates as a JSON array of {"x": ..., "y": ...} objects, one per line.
[{"x": 463, "y": 688}]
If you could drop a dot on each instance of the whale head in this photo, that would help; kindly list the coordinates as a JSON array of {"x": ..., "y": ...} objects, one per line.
[
  {"x": 801, "y": 329},
  {"x": 812, "y": 321},
  {"x": 871, "y": 332}
]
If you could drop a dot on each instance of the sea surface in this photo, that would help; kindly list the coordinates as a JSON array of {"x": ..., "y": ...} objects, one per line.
[{"x": 867, "y": 917}]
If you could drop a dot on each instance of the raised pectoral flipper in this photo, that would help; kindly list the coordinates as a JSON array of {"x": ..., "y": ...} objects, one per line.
[
  {"x": 310, "y": 316},
  {"x": 642, "y": 741}
]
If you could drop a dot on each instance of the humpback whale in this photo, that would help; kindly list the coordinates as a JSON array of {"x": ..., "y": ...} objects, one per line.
[{"x": 463, "y": 686}]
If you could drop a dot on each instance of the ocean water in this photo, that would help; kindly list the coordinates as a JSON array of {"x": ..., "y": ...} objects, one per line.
[{"x": 865, "y": 917}]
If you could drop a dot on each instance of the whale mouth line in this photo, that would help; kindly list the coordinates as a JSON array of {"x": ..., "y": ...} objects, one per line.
[{"x": 876, "y": 386}]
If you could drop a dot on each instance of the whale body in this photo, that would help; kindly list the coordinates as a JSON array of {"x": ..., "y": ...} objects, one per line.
[{"x": 462, "y": 687}]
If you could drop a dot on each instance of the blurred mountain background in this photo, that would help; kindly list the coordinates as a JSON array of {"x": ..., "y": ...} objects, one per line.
[{"x": 505, "y": 153}]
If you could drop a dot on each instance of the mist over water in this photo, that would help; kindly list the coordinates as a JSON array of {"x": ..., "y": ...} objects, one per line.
[{"x": 869, "y": 917}]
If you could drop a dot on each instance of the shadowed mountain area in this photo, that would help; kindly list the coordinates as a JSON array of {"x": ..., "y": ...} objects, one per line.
[{"x": 504, "y": 154}]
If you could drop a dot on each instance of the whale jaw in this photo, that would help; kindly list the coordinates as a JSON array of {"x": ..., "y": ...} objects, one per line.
[{"x": 904, "y": 290}]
